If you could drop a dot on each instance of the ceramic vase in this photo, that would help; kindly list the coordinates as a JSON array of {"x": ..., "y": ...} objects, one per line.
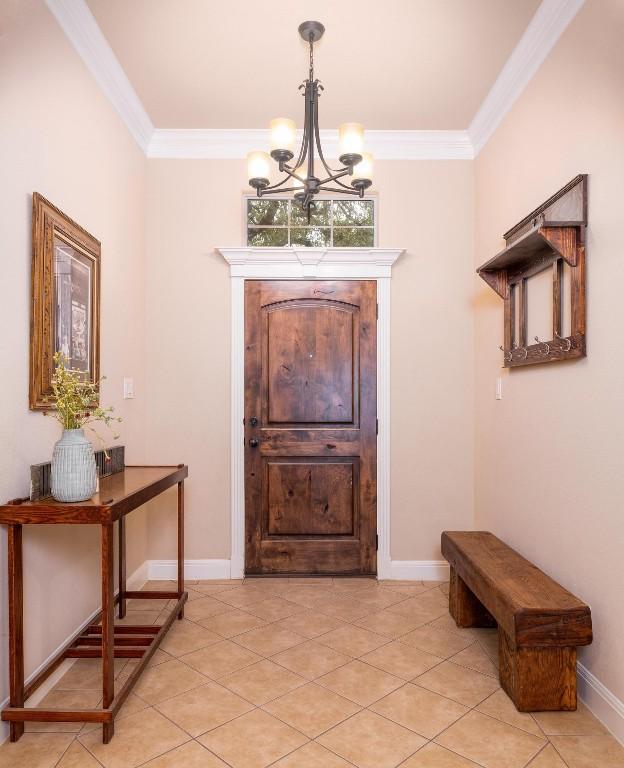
[{"x": 74, "y": 475}]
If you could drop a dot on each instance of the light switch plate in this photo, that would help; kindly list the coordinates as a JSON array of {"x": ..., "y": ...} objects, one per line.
[
  {"x": 128, "y": 388},
  {"x": 499, "y": 388}
]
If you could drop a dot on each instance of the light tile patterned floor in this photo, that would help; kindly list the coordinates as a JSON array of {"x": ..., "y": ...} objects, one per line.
[{"x": 318, "y": 673}]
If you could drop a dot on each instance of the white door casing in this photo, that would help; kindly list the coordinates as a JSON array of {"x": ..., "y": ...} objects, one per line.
[{"x": 308, "y": 264}]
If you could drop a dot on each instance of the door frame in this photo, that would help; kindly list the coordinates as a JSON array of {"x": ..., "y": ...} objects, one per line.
[{"x": 308, "y": 264}]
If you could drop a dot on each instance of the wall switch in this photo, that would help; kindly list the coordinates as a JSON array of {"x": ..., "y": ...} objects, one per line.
[
  {"x": 499, "y": 388},
  {"x": 128, "y": 388}
]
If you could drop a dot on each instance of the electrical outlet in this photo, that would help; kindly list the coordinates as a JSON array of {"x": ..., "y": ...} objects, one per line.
[
  {"x": 128, "y": 388},
  {"x": 499, "y": 388}
]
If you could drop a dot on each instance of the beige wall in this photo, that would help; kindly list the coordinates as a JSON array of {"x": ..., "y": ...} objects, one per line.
[
  {"x": 60, "y": 136},
  {"x": 425, "y": 207},
  {"x": 549, "y": 455}
]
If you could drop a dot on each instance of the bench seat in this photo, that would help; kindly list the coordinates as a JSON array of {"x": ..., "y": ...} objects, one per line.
[{"x": 540, "y": 624}]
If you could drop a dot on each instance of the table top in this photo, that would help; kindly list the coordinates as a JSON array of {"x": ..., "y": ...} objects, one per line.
[{"x": 118, "y": 494}]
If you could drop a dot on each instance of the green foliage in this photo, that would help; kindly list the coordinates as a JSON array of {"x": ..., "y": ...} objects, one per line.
[
  {"x": 267, "y": 212},
  {"x": 354, "y": 237},
  {"x": 76, "y": 399},
  {"x": 311, "y": 237},
  {"x": 265, "y": 237},
  {"x": 277, "y": 223},
  {"x": 319, "y": 214},
  {"x": 353, "y": 213}
]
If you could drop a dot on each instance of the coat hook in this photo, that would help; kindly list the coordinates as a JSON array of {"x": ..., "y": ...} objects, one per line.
[
  {"x": 568, "y": 343},
  {"x": 546, "y": 344}
]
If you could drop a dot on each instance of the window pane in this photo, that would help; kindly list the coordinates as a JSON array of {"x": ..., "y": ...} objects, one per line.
[
  {"x": 319, "y": 213},
  {"x": 353, "y": 212},
  {"x": 313, "y": 237},
  {"x": 264, "y": 237},
  {"x": 267, "y": 212},
  {"x": 354, "y": 237}
]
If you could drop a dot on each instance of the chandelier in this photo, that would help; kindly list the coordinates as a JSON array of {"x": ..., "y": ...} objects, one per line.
[{"x": 305, "y": 182}]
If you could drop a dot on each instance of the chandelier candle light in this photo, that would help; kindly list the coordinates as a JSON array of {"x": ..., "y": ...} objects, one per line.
[{"x": 305, "y": 183}]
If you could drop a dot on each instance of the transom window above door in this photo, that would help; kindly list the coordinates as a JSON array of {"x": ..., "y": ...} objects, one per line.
[{"x": 278, "y": 222}]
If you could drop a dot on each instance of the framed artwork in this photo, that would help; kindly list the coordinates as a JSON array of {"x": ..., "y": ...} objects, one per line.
[{"x": 65, "y": 300}]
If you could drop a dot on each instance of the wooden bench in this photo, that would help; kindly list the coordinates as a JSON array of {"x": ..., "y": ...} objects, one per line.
[{"x": 540, "y": 624}]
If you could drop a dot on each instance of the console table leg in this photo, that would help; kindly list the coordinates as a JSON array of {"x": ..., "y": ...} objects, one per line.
[
  {"x": 122, "y": 567},
  {"x": 108, "y": 627},
  {"x": 181, "y": 544},
  {"x": 16, "y": 625}
]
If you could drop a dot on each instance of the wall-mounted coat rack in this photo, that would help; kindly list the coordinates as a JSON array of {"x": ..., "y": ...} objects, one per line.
[{"x": 552, "y": 234}]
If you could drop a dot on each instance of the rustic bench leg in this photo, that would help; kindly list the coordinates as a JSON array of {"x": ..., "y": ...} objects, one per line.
[
  {"x": 537, "y": 679},
  {"x": 464, "y": 607}
]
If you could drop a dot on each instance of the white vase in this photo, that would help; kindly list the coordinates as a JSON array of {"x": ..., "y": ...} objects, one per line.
[{"x": 74, "y": 475}]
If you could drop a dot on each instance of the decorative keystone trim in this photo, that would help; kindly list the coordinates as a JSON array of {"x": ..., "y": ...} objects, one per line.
[
  {"x": 324, "y": 263},
  {"x": 82, "y": 30},
  {"x": 539, "y": 38}
]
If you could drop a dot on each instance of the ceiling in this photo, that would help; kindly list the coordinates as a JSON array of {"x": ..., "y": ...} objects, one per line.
[{"x": 398, "y": 64}]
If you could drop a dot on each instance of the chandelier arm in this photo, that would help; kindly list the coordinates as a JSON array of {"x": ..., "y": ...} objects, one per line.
[
  {"x": 270, "y": 189},
  {"x": 277, "y": 185},
  {"x": 304, "y": 143},
  {"x": 291, "y": 173},
  {"x": 346, "y": 191},
  {"x": 336, "y": 176},
  {"x": 317, "y": 137}
]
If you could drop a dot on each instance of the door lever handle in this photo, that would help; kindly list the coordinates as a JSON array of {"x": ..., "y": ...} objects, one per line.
[{"x": 254, "y": 442}]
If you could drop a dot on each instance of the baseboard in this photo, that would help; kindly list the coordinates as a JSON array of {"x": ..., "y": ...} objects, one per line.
[
  {"x": 193, "y": 569},
  {"x": 599, "y": 699},
  {"x": 138, "y": 578},
  {"x": 419, "y": 570}
]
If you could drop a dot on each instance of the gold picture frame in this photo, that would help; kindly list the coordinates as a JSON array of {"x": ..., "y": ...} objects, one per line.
[{"x": 65, "y": 299}]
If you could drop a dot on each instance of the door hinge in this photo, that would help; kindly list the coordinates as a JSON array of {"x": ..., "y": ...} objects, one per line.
[
  {"x": 244, "y": 422},
  {"x": 376, "y": 542},
  {"x": 377, "y": 311},
  {"x": 376, "y": 426}
]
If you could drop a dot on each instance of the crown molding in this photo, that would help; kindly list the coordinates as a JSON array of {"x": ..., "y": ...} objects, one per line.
[
  {"x": 83, "y": 32},
  {"x": 235, "y": 143},
  {"x": 296, "y": 263},
  {"x": 544, "y": 30}
]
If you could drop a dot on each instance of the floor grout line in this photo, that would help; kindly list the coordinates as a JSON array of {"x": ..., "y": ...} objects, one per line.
[{"x": 337, "y": 597}]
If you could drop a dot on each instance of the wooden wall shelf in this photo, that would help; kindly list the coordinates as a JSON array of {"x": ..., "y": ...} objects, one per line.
[{"x": 552, "y": 234}]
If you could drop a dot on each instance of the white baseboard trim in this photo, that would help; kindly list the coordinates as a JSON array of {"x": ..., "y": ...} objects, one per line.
[
  {"x": 136, "y": 580},
  {"x": 193, "y": 569},
  {"x": 599, "y": 699},
  {"x": 419, "y": 570}
]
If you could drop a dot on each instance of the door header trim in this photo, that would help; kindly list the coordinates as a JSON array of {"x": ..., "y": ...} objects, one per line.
[{"x": 310, "y": 263}]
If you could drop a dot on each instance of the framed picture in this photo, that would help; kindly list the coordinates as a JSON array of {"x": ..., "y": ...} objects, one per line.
[{"x": 65, "y": 301}]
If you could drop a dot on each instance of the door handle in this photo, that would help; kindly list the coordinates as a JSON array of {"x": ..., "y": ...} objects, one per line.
[{"x": 254, "y": 442}]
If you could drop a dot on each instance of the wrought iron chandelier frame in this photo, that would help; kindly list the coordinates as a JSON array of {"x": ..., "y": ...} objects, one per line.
[{"x": 310, "y": 185}]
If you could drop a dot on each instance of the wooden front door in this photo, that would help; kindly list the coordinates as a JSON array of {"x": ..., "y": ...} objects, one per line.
[{"x": 310, "y": 427}]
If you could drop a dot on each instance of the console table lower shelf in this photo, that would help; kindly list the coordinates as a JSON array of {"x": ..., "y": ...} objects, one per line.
[{"x": 118, "y": 495}]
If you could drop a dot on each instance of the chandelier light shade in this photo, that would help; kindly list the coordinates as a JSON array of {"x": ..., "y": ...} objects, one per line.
[
  {"x": 299, "y": 172},
  {"x": 259, "y": 166}
]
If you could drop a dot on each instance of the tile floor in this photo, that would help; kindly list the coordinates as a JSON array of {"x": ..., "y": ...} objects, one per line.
[{"x": 303, "y": 673}]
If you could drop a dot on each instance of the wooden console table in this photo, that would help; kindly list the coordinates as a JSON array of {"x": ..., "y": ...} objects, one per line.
[{"x": 118, "y": 495}]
